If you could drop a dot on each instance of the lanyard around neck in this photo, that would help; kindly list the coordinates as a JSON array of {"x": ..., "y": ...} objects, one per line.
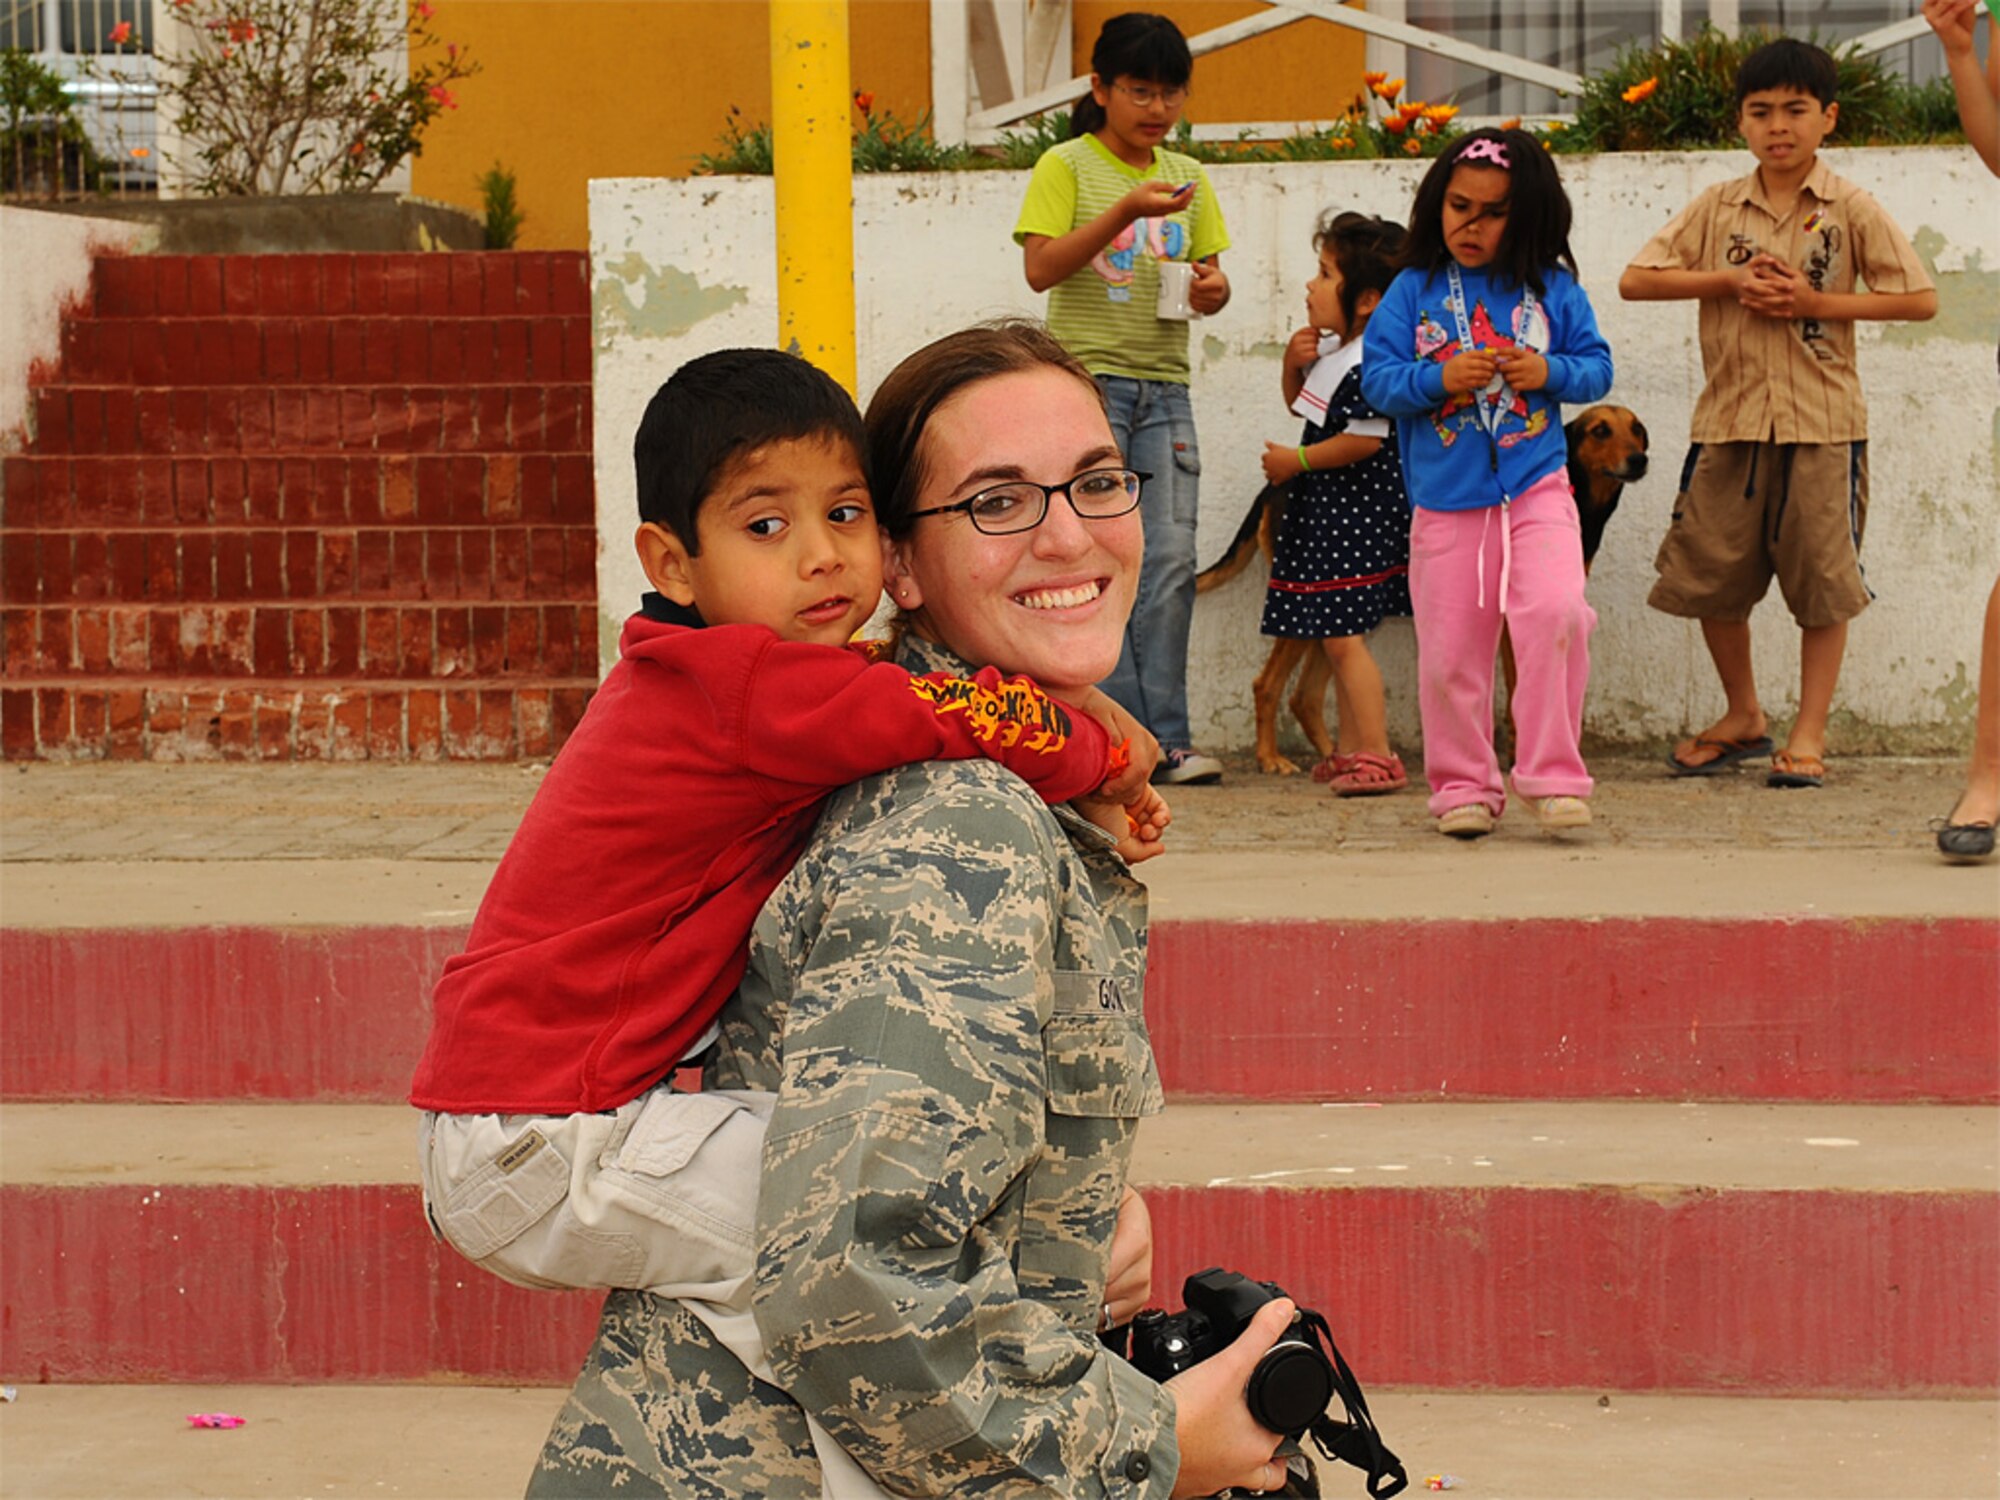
[{"x": 1488, "y": 402}]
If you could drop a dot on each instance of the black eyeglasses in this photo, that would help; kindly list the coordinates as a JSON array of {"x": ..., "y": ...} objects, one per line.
[{"x": 1022, "y": 505}]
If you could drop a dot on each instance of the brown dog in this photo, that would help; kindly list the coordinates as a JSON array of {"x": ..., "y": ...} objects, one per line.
[
  {"x": 1607, "y": 451},
  {"x": 1259, "y": 532}
]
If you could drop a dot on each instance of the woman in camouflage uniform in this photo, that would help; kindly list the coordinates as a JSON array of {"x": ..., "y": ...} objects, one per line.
[{"x": 945, "y": 994}]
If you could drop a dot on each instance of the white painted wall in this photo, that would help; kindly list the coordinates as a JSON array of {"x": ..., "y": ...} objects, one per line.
[
  {"x": 44, "y": 265},
  {"x": 685, "y": 266}
]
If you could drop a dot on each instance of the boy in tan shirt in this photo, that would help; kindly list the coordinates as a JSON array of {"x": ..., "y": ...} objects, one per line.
[{"x": 1776, "y": 478}]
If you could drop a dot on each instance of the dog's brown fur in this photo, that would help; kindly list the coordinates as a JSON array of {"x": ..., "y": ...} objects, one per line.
[{"x": 1607, "y": 451}]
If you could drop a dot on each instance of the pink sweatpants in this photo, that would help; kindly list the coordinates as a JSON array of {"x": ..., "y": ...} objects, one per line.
[{"x": 1469, "y": 570}]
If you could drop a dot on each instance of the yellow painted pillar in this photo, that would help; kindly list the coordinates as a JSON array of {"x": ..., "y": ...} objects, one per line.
[{"x": 813, "y": 155}]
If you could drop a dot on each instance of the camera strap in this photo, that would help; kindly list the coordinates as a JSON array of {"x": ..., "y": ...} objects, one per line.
[{"x": 1354, "y": 1441}]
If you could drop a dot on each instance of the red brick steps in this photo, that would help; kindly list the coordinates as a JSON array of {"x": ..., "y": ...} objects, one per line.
[{"x": 309, "y": 507}]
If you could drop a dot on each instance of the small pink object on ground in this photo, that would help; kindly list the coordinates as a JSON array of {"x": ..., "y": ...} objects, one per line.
[{"x": 214, "y": 1419}]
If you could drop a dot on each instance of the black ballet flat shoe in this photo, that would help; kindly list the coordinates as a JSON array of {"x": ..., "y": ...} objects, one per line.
[{"x": 1965, "y": 841}]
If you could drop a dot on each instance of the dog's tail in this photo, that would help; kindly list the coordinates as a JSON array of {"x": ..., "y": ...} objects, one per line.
[{"x": 1243, "y": 546}]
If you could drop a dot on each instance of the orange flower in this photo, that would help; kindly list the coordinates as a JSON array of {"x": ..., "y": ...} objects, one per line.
[
  {"x": 1511, "y": 124},
  {"x": 140, "y": 153},
  {"x": 1414, "y": 148},
  {"x": 1440, "y": 114},
  {"x": 242, "y": 31},
  {"x": 1388, "y": 91},
  {"x": 1371, "y": 79},
  {"x": 1640, "y": 90},
  {"x": 863, "y": 100},
  {"x": 1395, "y": 124},
  {"x": 121, "y": 33},
  {"x": 424, "y": 11},
  {"x": 442, "y": 95}
]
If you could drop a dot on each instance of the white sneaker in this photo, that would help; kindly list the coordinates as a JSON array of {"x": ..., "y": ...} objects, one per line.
[
  {"x": 1558, "y": 813},
  {"x": 1187, "y": 768},
  {"x": 1469, "y": 820}
]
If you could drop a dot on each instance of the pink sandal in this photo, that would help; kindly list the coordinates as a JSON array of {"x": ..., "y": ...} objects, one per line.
[
  {"x": 1337, "y": 764},
  {"x": 1370, "y": 775}
]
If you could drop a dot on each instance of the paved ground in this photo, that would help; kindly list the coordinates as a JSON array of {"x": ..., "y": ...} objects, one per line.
[
  {"x": 138, "y": 844},
  {"x": 102, "y": 845},
  {"x": 440, "y": 1443}
]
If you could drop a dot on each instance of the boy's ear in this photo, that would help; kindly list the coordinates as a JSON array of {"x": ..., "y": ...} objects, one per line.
[
  {"x": 664, "y": 556},
  {"x": 1833, "y": 113}
]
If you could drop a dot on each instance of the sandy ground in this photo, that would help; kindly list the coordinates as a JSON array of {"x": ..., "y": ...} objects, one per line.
[{"x": 469, "y": 1443}]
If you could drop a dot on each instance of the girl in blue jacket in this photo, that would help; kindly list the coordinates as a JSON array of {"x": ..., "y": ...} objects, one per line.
[{"x": 1480, "y": 337}]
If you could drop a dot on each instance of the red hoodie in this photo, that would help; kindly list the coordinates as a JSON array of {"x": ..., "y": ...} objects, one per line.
[{"x": 616, "y": 925}]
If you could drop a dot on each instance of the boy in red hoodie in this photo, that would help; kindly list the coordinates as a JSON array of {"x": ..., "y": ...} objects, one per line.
[{"x": 555, "y": 1153}]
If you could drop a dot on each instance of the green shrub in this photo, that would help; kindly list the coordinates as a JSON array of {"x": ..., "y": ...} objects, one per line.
[
  {"x": 1691, "y": 104},
  {"x": 503, "y": 217},
  {"x": 1685, "y": 99}
]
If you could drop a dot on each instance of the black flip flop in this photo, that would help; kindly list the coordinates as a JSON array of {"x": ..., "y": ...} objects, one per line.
[{"x": 1733, "y": 751}]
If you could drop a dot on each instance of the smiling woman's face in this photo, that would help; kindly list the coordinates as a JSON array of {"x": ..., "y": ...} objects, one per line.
[{"x": 1050, "y": 602}]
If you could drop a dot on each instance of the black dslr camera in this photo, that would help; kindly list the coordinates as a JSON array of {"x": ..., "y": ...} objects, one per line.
[{"x": 1294, "y": 1382}]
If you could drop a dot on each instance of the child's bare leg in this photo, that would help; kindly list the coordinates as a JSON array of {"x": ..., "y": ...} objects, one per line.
[
  {"x": 1358, "y": 683},
  {"x": 1821, "y": 648},
  {"x": 1346, "y": 734},
  {"x": 1728, "y": 643},
  {"x": 1980, "y": 802}
]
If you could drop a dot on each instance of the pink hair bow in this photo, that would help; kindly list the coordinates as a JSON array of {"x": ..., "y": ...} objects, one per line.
[{"x": 1487, "y": 149}]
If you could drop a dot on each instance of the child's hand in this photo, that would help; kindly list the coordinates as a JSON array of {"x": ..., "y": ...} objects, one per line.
[
  {"x": 1472, "y": 370},
  {"x": 1154, "y": 200},
  {"x": 1776, "y": 290},
  {"x": 1143, "y": 751},
  {"x": 1952, "y": 21},
  {"x": 1281, "y": 463},
  {"x": 1209, "y": 292},
  {"x": 1302, "y": 350},
  {"x": 1523, "y": 369},
  {"x": 1128, "y": 1273},
  {"x": 1139, "y": 825}
]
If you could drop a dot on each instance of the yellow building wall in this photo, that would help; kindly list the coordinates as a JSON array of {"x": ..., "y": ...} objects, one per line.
[{"x": 575, "y": 89}]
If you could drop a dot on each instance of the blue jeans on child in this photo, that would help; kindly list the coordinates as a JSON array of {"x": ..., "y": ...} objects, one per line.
[{"x": 1152, "y": 422}]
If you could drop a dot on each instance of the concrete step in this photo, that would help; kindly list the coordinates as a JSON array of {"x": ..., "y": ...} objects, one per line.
[
  {"x": 109, "y": 967},
  {"x": 474, "y": 1443},
  {"x": 1782, "y": 1249}
]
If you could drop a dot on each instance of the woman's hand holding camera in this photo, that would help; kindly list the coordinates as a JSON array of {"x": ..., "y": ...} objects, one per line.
[{"x": 1222, "y": 1447}]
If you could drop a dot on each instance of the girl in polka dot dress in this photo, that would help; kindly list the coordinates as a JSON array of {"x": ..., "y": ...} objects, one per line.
[{"x": 1341, "y": 563}]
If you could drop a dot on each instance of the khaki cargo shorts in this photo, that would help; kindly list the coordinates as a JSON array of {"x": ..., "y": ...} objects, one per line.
[{"x": 1749, "y": 512}]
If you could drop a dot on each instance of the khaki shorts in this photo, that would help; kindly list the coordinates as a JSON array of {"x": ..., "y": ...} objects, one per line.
[
  {"x": 660, "y": 1194},
  {"x": 1749, "y": 512}
]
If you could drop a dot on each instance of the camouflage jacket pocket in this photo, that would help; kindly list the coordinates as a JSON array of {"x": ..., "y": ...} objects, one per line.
[{"x": 1095, "y": 1048}]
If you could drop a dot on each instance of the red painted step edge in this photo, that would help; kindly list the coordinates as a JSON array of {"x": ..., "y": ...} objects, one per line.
[
  {"x": 1771, "y": 1293},
  {"x": 1551, "y": 1009}
]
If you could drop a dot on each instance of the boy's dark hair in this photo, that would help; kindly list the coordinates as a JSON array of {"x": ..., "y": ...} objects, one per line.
[
  {"x": 1137, "y": 45},
  {"x": 1366, "y": 249},
  {"x": 720, "y": 406},
  {"x": 1538, "y": 212},
  {"x": 1788, "y": 63}
]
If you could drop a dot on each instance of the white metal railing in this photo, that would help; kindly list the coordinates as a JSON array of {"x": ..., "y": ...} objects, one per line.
[{"x": 956, "y": 51}]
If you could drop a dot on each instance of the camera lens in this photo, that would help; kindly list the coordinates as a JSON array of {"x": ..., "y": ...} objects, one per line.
[{"x": 1290, "y": 1387}]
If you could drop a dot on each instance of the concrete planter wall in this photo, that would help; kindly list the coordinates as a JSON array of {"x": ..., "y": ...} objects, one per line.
[{"x": 681, "y": 267}]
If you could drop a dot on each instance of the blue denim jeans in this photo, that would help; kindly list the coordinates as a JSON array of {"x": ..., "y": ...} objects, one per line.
[{"x": 1153, "y": 424}]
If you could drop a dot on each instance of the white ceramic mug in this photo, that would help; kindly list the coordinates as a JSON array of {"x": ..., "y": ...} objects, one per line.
[{"x": 1176, "y": 280}]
